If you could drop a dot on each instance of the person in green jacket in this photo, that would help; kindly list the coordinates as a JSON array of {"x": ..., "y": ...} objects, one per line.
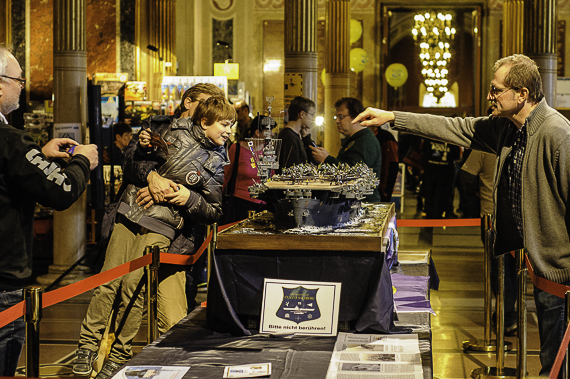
[{"x": 360, "y": 144}]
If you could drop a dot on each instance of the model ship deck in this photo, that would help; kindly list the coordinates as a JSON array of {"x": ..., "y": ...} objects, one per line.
[{"x": 321, "y": 196}]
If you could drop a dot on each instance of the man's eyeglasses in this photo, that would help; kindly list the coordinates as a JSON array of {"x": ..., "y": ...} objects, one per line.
[
  {"x": 340, "y": 117},
  {"x": 497, "y": 92},
  {"x": 22, "y": 81}
]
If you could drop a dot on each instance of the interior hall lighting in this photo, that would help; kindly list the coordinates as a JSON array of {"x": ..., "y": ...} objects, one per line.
[
  {"x": 434, "y": 32},
  {"x": 272, "y": 65},
  {"x": 319, "y": 121}
]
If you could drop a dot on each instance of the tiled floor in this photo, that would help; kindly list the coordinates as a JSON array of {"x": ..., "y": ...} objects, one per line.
[
  {"x": 458, "y": 255},
  {"x": 459, "y": 302}
]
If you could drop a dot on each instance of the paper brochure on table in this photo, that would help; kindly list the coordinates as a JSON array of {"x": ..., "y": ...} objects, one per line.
[
  {"x": 248, "y": 371},
  {"x": 300, "y": 307},
  {"x": 360, "y": 356},
  {"x": 152, "y": 372}
]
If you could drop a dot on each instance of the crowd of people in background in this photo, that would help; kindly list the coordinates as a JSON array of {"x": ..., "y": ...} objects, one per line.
[
  {"x": 433, "y": 169},
  {"x": 184, "y": 171},
  {"x": 202, "y": 127}
]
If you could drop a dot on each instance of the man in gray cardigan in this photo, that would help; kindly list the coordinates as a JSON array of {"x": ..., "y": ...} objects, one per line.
[{"x": 531, "y": 189}]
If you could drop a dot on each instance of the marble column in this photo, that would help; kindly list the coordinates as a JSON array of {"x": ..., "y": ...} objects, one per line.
[
  {"x": 162, "y": 35},
  {"x": 513, "y": 19},
  {"x": 337, "y": 66},
  {"x": 301, "y": 49},
  {"x": 70, "y": 108},
  {"x": 540, "y": 42}
]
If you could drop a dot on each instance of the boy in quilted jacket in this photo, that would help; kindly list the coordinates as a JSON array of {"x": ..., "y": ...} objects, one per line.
[{"x": 192, "y": 160}]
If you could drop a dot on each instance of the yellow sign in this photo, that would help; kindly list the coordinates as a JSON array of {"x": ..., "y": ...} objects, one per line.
[
  {"x": 110, "y": 76},
  {"x": 229, "y": 70},
  {"x": 396, "y": 75}
]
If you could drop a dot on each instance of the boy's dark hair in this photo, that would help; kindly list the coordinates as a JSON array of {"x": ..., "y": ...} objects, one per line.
[
  {"x": 216, "y": 108},
  {"x": 194, "y": 91},
  {"x": 121, "y": 128},
  {"x": 353, "y": 105},
  {"x": 256, "y": 124},
  {"x": 298, "y": 105}
]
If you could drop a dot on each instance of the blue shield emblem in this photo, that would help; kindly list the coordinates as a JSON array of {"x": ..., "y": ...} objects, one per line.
[{"x": 299, "y": 304}]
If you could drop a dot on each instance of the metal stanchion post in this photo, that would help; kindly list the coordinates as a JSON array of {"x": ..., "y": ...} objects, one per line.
[
  {"x": 33, "y": 299},
  {"x": 211, "y": 246},
  {"x": 488, "y": 292},
  {"x": 486, "y": 344},
  {"x": 501, "y": 315},
  {"x": 214, "y": 236},
  {"x": 500, "y": 371},
  {"x": 213, "y": 243},
  {"x": 521, "y": 301},
  {"x": 209, "y": 256},
  {"x": 567, "y": 319},
  {"x": 152, "y": 293}
]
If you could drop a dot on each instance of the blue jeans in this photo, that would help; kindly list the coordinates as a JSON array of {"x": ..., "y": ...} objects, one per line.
[
  {"x": 12, "y": 336},
  {"x": 550, "y": 313}
]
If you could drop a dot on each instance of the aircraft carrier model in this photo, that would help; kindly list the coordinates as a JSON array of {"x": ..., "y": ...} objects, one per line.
[
  {"x": 306, "y": 195},
  {"x": 321, "y": 196}
]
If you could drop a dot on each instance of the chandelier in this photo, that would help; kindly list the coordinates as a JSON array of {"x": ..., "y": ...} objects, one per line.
[{"x": 435, "y": 34}]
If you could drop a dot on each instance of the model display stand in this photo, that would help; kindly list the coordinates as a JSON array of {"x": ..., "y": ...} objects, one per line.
[
  {"x": 321, "y": 196},
  {"x": 306, "y": 195}
]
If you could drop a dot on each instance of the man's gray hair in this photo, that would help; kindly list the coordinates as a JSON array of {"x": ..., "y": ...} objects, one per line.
[
  {"x": 523, "y": 73},
  {"x": 5, "y": 54}
]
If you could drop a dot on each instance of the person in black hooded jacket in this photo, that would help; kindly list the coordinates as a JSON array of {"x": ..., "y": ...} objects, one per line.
[{"x": 28, "y": 174}]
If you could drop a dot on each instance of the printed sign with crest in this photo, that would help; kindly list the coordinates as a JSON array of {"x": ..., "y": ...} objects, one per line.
[
  {"x": 299, "y": 307},
  {"x": 299, "y": 304}
]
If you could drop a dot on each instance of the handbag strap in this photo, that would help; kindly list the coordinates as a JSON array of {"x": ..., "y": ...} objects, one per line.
[{"x": 232, "y": 183}]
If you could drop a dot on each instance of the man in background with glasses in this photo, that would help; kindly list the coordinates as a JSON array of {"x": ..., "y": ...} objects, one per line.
[
  {"x": 360, "y": 144},
  {"x": 28, "y": 174},
  {"x": 531, "y": 190}
]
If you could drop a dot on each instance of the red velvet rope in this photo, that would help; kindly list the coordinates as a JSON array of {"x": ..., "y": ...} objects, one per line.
[
  {"x": 551, "y": 287},
  {"x": 439, "y": 222},
  {"x": 546, "y": 285},
  {"x": 560, "y": 356},
  {"x": 559, "y": 290},
  {"x": 74, "y": 289}
]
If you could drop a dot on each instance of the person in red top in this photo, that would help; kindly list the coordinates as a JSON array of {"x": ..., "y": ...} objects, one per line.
[{"x": 238, "y": 178}]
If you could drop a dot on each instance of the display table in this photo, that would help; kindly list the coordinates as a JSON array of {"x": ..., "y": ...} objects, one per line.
[
  {"x": 191, "y": 343},
  {"x": 354, "y": 255}
]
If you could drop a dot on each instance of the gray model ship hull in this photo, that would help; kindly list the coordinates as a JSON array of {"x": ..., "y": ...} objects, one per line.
[{"x": 301, "y": 212}]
